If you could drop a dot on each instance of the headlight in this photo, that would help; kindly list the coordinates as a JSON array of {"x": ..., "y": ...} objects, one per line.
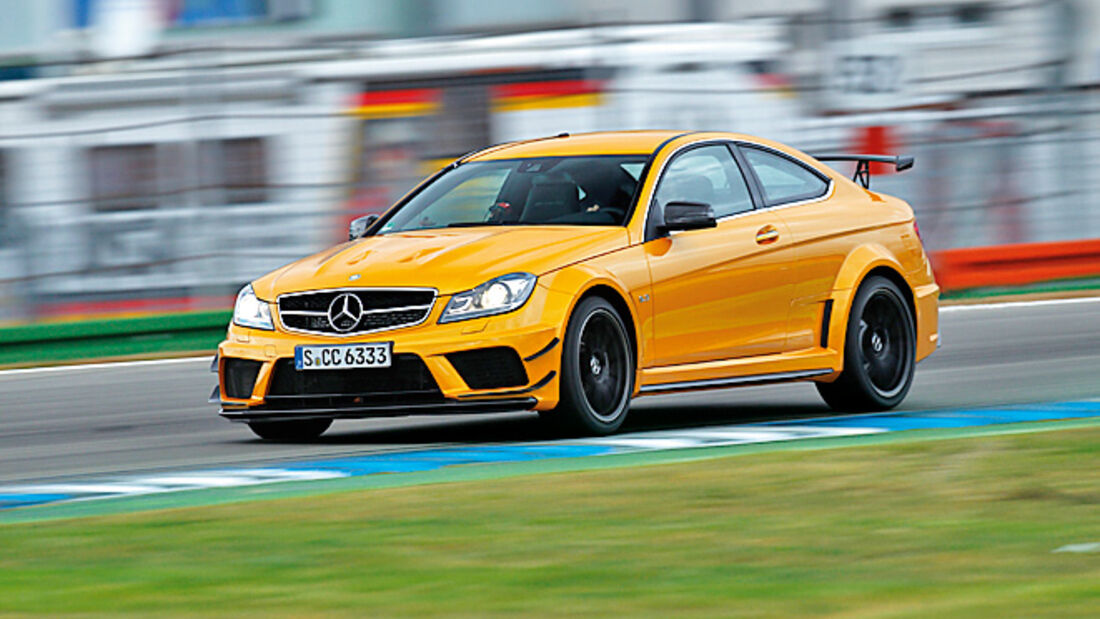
[
  {"x": 496, "y": 296},
  {"x": 250, "y": 311}
]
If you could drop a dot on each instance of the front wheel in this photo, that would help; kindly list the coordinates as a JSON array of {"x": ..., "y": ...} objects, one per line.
[
  {"x": 879, "y": 357},
  {"x": 597, "y": 370},
  {"x": 296, "y": 430}
]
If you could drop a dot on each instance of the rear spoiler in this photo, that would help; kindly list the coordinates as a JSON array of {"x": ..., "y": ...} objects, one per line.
[{"x": 863, "y": 165}]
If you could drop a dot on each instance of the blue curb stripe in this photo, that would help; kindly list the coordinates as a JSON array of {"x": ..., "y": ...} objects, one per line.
[
  {"x": 8, "y": 501},
  {"x": 961, "y": 418},
  {"x": 438, "y": 458},
  {"x": 431, "y": 460}
]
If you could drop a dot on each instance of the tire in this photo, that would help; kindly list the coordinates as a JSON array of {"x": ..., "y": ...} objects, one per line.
[
  {"x": 297, "y": 430},
  {"x": 879, "y": 351},
  {"x": 597, "y": 371}
]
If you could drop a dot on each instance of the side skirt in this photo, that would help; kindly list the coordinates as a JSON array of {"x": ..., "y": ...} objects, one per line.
[
  {"x": 737, "y": 381},
  {"x": 815, "y": 363}
]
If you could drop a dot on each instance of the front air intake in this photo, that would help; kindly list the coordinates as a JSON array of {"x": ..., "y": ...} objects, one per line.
[
  {"x": 240, "y": 377},
  {"x": 489, "y": 368}
]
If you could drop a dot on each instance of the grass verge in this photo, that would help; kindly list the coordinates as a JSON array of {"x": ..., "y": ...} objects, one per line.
[
  {"x": 946, "y": 528},
  {"x": 1055, "y": 289}
]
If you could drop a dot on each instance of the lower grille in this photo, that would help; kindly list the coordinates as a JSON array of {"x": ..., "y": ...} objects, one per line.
[
  {"x": 240, "y": 377},
  {"x": 407, "y": 381},
  {"x": 489, "y": 368}
]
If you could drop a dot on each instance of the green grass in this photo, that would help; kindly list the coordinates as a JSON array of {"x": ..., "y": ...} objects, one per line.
[
  {"x": 952, "y": 528},
  {"x": 998, "y": 293},
  {"x": 151, "y": 336}
]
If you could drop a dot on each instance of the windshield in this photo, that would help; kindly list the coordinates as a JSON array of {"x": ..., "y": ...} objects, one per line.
[{"x": 576, "y": 191}]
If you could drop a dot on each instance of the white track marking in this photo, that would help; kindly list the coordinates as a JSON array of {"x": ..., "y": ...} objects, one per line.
[
  {"x": 109, "y": 365},
  {"x": 225, "y": 480},
  {"x": 719, "y": 436},
  {"x": 1090, "y": 547},
  {"x": 173, "y": 482},
  {"x": 947, "y": 309}
]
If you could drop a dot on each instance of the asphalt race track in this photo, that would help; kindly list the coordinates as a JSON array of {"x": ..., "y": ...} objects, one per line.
[{"x": 124, "y": 418}]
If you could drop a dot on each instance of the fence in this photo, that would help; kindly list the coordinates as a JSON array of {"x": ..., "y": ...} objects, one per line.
[{"x": 166, "y": 191}]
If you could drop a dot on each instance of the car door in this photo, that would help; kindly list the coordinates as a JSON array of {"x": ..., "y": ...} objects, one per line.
[
  {"x": 817, "y": 233},
  {"x": 723, "y": 292}
]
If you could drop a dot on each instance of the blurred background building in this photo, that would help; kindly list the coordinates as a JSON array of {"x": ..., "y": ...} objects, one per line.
[{"x": 157, "y": 154}]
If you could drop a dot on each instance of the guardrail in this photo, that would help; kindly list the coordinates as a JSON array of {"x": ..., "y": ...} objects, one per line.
[
  {"x": 1016, "y": 265},
  {"x": 117, "y": 337}
]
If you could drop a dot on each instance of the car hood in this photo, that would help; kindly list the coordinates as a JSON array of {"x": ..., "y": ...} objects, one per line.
[{"x": 450, "y": 260}]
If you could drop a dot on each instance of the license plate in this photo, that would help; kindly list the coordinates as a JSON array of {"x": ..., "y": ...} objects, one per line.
[{"x": 343, "y": 356}]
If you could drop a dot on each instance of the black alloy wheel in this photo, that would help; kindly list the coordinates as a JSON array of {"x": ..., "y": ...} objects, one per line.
[
  {"x": 597, "y": 370},
  {"x": 879, "y": 351},
  {"x": 290, "y": 431}
]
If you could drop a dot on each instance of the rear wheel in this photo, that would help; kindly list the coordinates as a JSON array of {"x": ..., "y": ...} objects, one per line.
[
  {"x": 597, "y": 371},
  {"x": 297, "y": 430},
  {"x": 879, "y": 357}
]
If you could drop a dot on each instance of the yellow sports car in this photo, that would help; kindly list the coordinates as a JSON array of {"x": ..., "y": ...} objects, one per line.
[{"x": 569, "y": 274}]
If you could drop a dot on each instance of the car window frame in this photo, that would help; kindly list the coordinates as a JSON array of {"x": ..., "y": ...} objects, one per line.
[
  {"x": 753, "y": 203},
  {"x": 650, "y": 223},
  {"x": 741, "y": 145}
]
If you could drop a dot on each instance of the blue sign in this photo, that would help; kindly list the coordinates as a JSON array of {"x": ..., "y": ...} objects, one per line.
[{"x": 187, "y": 13}]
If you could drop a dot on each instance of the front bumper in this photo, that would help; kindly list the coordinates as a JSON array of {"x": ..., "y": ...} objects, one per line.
[
  {"x": 448, "y": 407},
  {"x": 534, "y": 332}
]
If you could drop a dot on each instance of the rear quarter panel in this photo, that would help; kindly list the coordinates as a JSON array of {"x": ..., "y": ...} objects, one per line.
[{"x": 838, "y": 242}]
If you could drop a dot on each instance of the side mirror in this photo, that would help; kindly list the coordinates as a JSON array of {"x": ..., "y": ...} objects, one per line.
[
  {"x": 689, "y": 216},
  {"x": 359, "y": 226}
]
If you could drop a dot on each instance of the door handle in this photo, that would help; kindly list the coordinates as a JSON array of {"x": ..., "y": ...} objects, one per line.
[{"x": 767, "y": 235}]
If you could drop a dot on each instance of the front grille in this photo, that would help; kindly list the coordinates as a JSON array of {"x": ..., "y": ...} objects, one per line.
[
  {"x": 370, "y": 310},
  {"x": 240, "y": 377},
  {"x": 406, "y": 381},
  {"x": 489, "y": 368}
]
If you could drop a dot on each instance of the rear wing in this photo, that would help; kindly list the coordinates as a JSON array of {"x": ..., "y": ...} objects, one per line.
[{"x": 863, "y": 164}]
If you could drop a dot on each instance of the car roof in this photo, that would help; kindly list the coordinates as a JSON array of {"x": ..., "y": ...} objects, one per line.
[
  {"x": 599, "y": 143},
  {"x": 640, "y": 143},
  {"x": 565, "y": 145}
]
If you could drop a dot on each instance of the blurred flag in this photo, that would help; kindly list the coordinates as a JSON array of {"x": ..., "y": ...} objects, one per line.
[{"x": 125, "y": 28}]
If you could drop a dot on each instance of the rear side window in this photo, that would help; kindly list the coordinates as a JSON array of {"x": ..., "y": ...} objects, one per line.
[{"x": 784, "y": 180}]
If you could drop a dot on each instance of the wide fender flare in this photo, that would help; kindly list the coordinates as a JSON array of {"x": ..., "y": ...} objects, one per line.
[
  {"x": 857, "y": 265},
  {"x": 578, "y": 280}
]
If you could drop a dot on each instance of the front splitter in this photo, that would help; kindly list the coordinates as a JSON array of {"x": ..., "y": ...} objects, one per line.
[{"x": 446, "y": 407}]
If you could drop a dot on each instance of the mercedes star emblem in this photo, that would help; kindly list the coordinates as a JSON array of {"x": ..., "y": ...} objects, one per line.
[{"x": 344, "y": 312}]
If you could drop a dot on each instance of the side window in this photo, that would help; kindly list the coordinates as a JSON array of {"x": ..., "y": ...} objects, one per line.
[
  {"x": 707, "y": 174},
  {"x": 783, "y": 179}
]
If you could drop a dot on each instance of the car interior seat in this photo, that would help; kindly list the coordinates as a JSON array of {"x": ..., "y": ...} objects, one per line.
[
  {"x": 551, "y": 200},
  {"x": 691, "y": 188}
]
